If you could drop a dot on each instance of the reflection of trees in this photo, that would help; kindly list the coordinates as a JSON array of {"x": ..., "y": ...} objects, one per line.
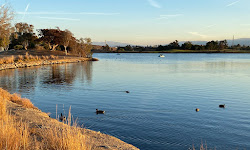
[
  {"x": 8, "y": 79},
  {"x": 18, "y": 79},
  {"x": 86, "y": 71},
  {"x": 25, "y": 79},
  {"x": 60, "y": 74},
  {"x": 68, "y": 73}
]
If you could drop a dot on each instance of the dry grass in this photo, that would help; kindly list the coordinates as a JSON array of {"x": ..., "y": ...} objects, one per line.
[
  {"x": 25, "y": 58},
  {"x": 15, "y": 98},
  {"x": 53, "y": 57},
  {"x": 65, "y": 137},
  {"x": 17, "y": 135},
  {"x": 14, "y": 134},
  {"x": 7, "y": 60}
]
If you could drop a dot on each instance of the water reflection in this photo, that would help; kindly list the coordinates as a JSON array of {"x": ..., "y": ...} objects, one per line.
[{"x": 27, "y": 79}]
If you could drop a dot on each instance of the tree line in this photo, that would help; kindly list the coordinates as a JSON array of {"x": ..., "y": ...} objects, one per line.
[
  {"x": 211, "y": 45},
  {"x": 22, "y": 36}
]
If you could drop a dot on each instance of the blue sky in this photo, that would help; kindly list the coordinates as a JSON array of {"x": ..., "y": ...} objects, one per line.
[{"x": 141, "y": 22}]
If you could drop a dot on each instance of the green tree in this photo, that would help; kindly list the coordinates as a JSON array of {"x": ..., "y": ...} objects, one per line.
[
  {"x": 187, "y": 45},
  {"x": 106, "y": 47},
  {"x": 174, "y": 45},
  {"x": 223, "y": 44},
  {"x": 129, "y": 48},
  {"x": 160, "y": 48},
  {"x": 52, "y": 37},
  {"x": 212, "y": 45},
  {"x": 23, "y": 35}
]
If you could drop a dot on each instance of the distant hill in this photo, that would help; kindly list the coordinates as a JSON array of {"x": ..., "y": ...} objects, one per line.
[
  {"x": 241, "y": 41},
  {"x": 111, "y": 44}
]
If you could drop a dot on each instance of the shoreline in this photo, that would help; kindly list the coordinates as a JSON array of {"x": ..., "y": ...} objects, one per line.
[
  {"x": 26, "y": 64},
  {"x": 40, "y": 121},
  {"x": 184, "y": 51}
]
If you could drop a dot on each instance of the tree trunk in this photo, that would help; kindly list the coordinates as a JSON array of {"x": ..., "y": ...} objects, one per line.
[
  {"x": 65, "y": 48},
  {"x": 54, "y": 47}
]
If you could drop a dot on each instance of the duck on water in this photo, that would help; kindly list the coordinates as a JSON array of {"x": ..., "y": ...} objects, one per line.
[
  {"x": 100, "y": 111},
  {"x": 222, "y": 105}
]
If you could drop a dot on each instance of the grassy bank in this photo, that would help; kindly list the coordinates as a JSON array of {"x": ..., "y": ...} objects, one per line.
[
  {"x": 18, "y": 134},
  {"x": 24, "y": 126},
  {"x": 21, "y": 59}
]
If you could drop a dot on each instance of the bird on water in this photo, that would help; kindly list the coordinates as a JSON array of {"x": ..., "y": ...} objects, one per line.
[
  {"x": 222, "y": 105},
  {"x": 100, "y": 111}
]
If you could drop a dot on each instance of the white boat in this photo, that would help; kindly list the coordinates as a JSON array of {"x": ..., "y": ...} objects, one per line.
[{"x": 161, "y": 55}]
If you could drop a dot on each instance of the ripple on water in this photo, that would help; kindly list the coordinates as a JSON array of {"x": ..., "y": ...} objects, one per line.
[{"x": 159, "y": 112}]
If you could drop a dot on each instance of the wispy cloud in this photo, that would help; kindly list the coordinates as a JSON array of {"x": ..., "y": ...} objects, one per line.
[
  {"x": 169, "y": 16},
  {"x": 198, "y": 34},
  {"x": 26, "y": 9},
  {"x": 66, "y": 13},
  {"x": 154, "y": 3},
  {"x": 54, "y": 18},
  {"x": 233, "y": 3},
  {"x": 210, "y": 26}
]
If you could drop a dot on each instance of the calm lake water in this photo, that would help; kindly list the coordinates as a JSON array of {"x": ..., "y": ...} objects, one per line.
[{"x": 159, "y": 112}]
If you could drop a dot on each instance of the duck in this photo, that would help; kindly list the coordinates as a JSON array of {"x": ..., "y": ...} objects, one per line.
[
  {"x": 127, "y": 91},
  {"x": 62, "y": 117},
  {"x": 197, "y": 109},
  {"x": 100, "y": 111},
  {"x": 222, "y": 105}
]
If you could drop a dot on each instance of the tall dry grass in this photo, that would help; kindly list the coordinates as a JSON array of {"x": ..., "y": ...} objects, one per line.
[
  {"x": 25, "y": 58},
  {"x": 14, "y": 134},
  {"x": 17, "y": 135},
  {"x": 15, "y": 98},
  {"x": 7, "y": 60}
]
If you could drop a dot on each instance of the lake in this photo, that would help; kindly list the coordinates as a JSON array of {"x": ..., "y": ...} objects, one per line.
[{"x": 159, "y": 112}]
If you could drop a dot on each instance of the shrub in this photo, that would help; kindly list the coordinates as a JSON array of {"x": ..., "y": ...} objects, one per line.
[
  {"x": 20, "y": 58},
  {"x": 18, "y": 47}
]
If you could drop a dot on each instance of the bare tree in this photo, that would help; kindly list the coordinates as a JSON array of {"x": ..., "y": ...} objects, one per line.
[
  {"x": 25, "y": 44},
  {"x": 22, "y": 28},
  {"x": 85, "y": 47},
  {"x": 6, "y": 29},
  {"x": 88, "y": 47},
  {"x": 66, "y": 37}
]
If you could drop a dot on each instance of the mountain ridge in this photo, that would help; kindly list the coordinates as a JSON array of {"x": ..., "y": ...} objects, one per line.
[{"x": 241, "y": 41}]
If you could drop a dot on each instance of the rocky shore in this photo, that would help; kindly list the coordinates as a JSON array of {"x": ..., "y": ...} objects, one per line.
[{"x": 45, "y": 62}]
